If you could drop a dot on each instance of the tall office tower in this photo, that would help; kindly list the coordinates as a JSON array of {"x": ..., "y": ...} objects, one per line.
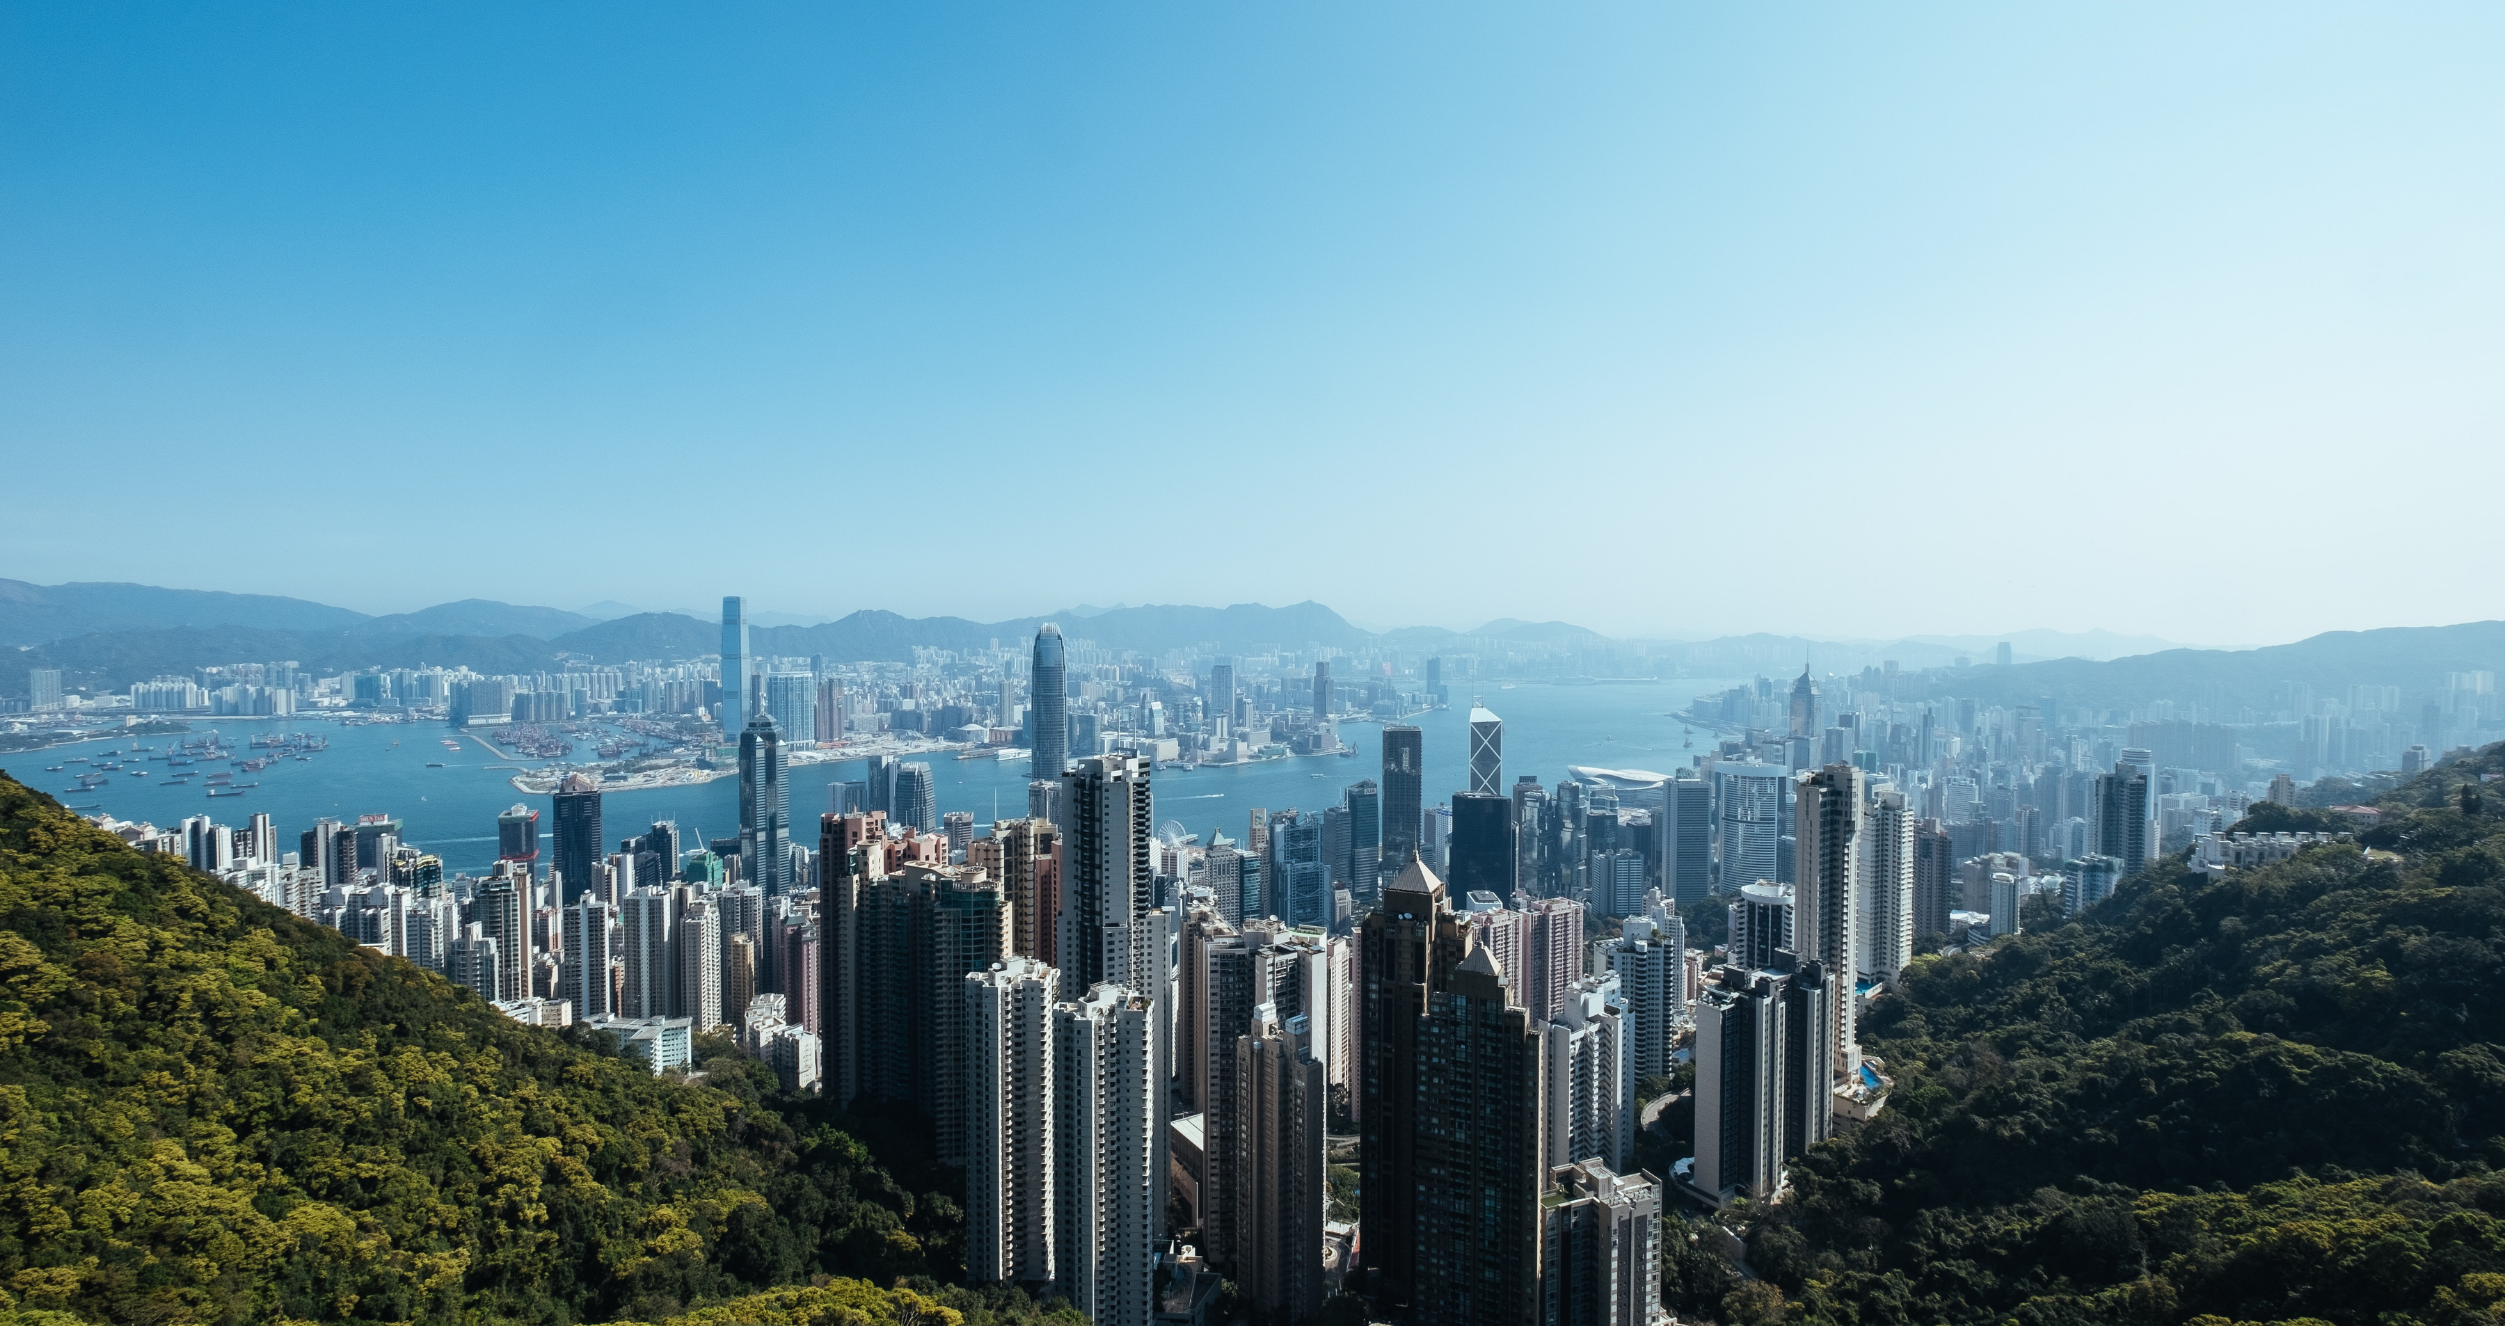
[
  {"x": 1279, "y": 1146},
  {"x": 647, "y": 944},
  {"x": 584, "y": 972},
  {"x": 1829, "y": 806},
  {"x": 1480, "y": 1152},
  {"x": 1408, "y": 948},
  {"x": 1239, "y": 974},
  {"x": 1752, "y": 822},
  {"x": 764, "y": 809},
  {"x": 792, "y": 699},
  {"x": 1048, "y": 704},
  {"x": 739, "y": 977},
  {"x": 878, "y": 775},
  {"x": 1225, "y": 874},
  {"x": 917, "y": 798},
  {"x": 1108, "y": 872},
  {"x": 1322, "y": 707},
  {"x": 1029, "y": 872},
  {"x": 264, "y": 844},
  {"x": 1301, "y": 892},
  {"x": 828, "y": 712},
  {"x": 1364, "y": 808},
  {"x": 2123, "y": 830},
  {"x": 1741, "y": 1087},
  {"x": 735, "y": 701},
  {"x": 1552, "y": 953},
  {"x": 1482, "y": 851},
  {"x": 1404, "y": 788},
  {"x": 1687, "y": 860},
  {"x": 852, "y": 854},
  {"x": 499, "y": 908},
  {"x": 1201, "y": 926},
  {"x": 1601, "y": 1247},
  {"x": 1010, "y": 1121},
  {"x": 1590, "y": 1077},
  {"x": 1221, "y": 699},
  {"x": 1651, "y": 977},
  {"x": 958, "y": 827},
  {"x": 1616, "y": 880},
  {"x": 1043, "y": 799},
  {"x": 1935, "y": 863},
  {"x": 1804, "y": 706},
  {"x": 1108, "y": 1187},
  {"x": 1883, "y": 930},
  {"x": 474, "y": 964},
  {"x": 699, "y": 952},
  {"x": 1761, "y": 926},
  {"x": 579, "y": 843},
  {"x": 1257, "y": 833},
  {"x": 1487, "y": 753}
]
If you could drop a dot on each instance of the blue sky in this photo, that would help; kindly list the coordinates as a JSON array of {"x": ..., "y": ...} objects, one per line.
[{"x": 1660, "y": 318}]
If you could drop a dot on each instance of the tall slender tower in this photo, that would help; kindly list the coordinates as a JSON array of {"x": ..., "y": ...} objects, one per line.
[
  {"x": 1048, "y": 704},
  {"x": 1481, "y": 1152},
  {"x": 1487, "y": 753},
  {"x": 1404, "y": 787},
  {"x": 1409, "y": 947},
  {"x": 764, "y": 809},
  {"x": 1827, "y": 816},
  {"x": 1282, "y": 1109},
  {"x": 1108, "y": 875},
  {"x": 735, "y": 699},
  {"x": 578, "y": 843},
  {"x": 1108, "y": 1184},
  {"x": 1009, "y": 1121}
]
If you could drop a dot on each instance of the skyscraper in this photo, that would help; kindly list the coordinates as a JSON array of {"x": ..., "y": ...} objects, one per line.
[
  {"x": 1322, "y": 707},
  {"x": 1590, "y": 1078},
  {"x": 1408, "y": 947},
  {"x": 1482, "y": 851},
  {"x": 1048, "y": 704},
  {"x": 2124, "y": 830},
  {"x": 1487, "y": 753},
  {"x": 1108, "y": 1183},
  {"x": 648, "y": 933},
  {"x": 1030, "y": 878},
  {"x": 700, "y": 963},
  {"x": 1363, "y": 869},
  {"x": 1404, "y": 787},
  {"x": 584, "y": 973},
  {"x": 1108, "y": 870},
  {"x": 1741, "y": 1090},
  {"x": 1283, "y": 1109},
  {"x": 1651, "y": 975},
  {"x": 916, "y": 803},
  {"x": 499, "y": 909},
  {"x": 1552, "y": 954},
  {"x": 1829, "y": 819},
  {"x": 1221, "y": 699},
  {"x": 579, "y": 845},
  {"x": 1688, "y": 860},
  {"x": 1935, "y": 860},
  {"x": 792, "y": 698},
  {"x": 735, "y": 700},
  {"x": 1752, "y": 822},
  {"x": 1480, "y": 1153},
  {"x": 764, "y": 809},
  {"x": 1601, "y": 1253},
  {"x": 1883, "y": 929},
  {"x": 1010, "y": 1121},
  {"x": 517, "y": 836},
  {"x": 1804, "y": 706}
]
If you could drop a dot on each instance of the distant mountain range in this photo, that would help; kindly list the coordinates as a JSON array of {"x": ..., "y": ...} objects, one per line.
[{"x": 114, "y": 634}]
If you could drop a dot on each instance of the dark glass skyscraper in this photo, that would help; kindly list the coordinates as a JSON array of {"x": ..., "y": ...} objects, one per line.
[
  {"x": 1365, "y": 840},
  {"x": 578, "y": 835},
  {"x": 1048, "y": 704},
  {"x": 764, "y": 808},
  {"x": 1404, "y": 766},
  {"x": 1482, "y": 852}
]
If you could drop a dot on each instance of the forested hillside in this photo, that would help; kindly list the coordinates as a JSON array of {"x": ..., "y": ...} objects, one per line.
[
  {"x": 2273, "y": 1096},
  {"x": 212, "y": 1111}
]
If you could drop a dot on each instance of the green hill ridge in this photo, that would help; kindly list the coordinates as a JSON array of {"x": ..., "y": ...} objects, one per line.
[
  {"x": 213, "y": 1111},
  {"x": 2276, "y": 1095}
]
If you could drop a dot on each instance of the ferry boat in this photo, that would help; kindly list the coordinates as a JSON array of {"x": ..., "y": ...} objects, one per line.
[
  {"x": 54, "y": 768},
  {"x": 449, "y": 744}
]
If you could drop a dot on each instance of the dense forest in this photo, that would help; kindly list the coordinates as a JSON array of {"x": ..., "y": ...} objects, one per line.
[
  {"x": 2272, "y": 1096},
  {"x": 213, "y": 1111}
]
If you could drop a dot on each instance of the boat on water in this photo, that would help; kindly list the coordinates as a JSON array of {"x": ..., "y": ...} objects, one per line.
[
  {"x": 226, "y": 791},
  {"x": 54, "y": 768},
  {"x": 438, "y": 764}
]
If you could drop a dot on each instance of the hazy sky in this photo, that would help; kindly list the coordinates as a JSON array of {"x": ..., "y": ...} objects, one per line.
[{"x": 1850, "y": 319}]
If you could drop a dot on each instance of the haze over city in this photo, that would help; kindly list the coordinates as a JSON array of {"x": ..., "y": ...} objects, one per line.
[{"x": 1633, "y": 316}]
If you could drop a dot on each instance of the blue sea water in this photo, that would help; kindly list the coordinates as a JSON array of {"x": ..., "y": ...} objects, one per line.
[{"x": 451, "y": 811}]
